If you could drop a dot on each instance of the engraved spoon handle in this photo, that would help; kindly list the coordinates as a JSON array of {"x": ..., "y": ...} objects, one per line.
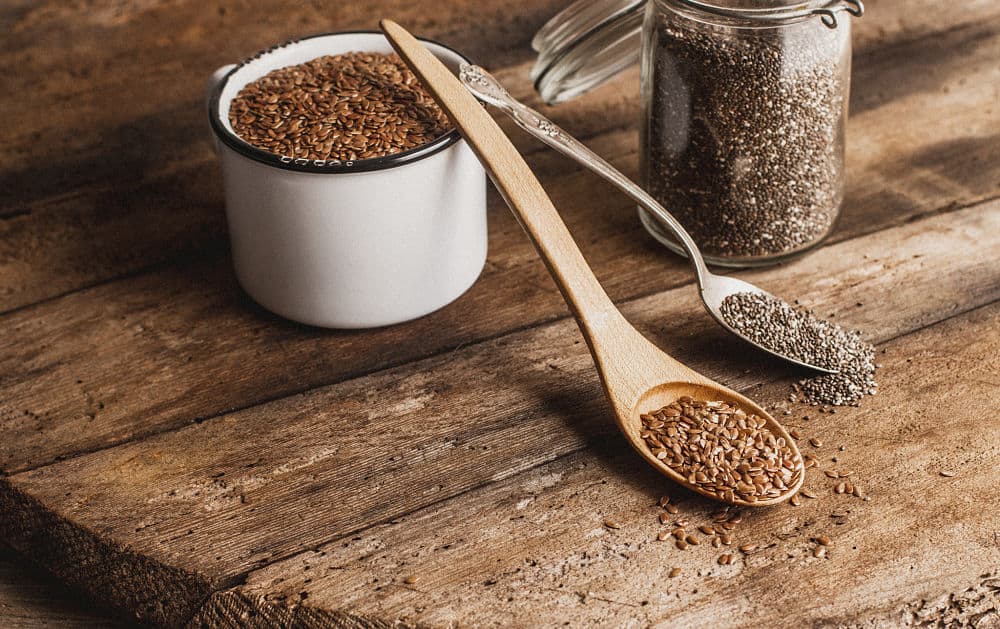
[{"x": 487, "y": 89}]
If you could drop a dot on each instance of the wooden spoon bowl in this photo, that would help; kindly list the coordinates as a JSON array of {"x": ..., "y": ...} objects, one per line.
[{"x": 637, "y": 376}]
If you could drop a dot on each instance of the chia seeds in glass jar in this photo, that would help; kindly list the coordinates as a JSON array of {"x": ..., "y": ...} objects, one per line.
[{"x": 744, "y": 112}]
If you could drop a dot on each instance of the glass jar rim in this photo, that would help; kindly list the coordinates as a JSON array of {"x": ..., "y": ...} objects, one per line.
[
  {"x": 590, "y": 41},
  {"x": 778, "y": 12}
]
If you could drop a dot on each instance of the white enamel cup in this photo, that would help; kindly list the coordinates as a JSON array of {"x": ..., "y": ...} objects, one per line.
[{"x": 349, "y": 244}]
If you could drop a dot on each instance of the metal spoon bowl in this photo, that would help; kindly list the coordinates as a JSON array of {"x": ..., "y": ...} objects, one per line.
[{"x": 713, "y": 288}]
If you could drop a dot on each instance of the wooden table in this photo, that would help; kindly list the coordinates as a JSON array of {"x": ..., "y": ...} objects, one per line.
[{"x": 183, "y": 456}]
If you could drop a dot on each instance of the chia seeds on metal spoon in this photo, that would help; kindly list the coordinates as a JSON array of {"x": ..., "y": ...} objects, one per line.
[{"x": 798, "y": 333}]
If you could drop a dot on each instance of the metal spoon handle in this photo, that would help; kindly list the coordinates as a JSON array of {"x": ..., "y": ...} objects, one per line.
[{"x": 487, "y": 89}]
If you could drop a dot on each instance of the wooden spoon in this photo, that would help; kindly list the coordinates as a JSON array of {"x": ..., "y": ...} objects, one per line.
[{"x": 637, "y": 376}]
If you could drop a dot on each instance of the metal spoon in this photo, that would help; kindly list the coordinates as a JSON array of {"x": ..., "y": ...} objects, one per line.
[
  {"x": 638, "y": 377},
  {"x": 713, "y": 288}
]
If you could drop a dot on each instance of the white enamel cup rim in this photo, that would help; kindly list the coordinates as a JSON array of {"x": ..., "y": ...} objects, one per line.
[{"x": 224, "y": 132}]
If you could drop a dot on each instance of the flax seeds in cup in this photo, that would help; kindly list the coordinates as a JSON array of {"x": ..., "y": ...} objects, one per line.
[{"x": 346, "y": 107}]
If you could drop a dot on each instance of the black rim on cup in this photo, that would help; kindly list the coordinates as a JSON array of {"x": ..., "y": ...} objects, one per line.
[{"x": 230, "y": 139}]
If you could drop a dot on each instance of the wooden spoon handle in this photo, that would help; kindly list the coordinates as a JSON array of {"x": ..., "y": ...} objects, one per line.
[{"x": 592, "y": 307}]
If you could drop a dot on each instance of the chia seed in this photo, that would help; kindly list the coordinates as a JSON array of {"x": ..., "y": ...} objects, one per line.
[
  {"x": 744, "y": 132},
  {"x": 797, "y": 333}
]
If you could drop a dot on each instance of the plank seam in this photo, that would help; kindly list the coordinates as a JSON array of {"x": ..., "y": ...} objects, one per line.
[
  {"x": 946, "y": 209},
  {"x": 240, "y": 578}
]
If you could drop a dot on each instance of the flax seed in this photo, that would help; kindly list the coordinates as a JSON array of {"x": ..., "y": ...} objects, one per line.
[
  {"x": 946, "y": 473},
  {"x": 692, "y": 540},
  {"x": 823, "y": 540},
  {"x": 725, "y": 559},
  {"x": 611, "y": 524},
  {"x": 663, "y": 536},
  {"x": 341, "y": 108},
  {"x": 674, "y": 573},
  {"x": 681, "y": 544},
  {"x": 723, "y": 450},
  {"x": 748, "y": 548}
]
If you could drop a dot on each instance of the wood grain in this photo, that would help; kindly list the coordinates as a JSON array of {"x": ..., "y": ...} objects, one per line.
[
  {"x": 135, "y": 185},
  {"x": 637, "y": 376},
  {"x": 208, "y": 443},
  {"x": 156, "y": 525},
  {"x": 157, "y": 351},
  {"x": 109, "y": 169},
  {"x": 532, "y": 551}
]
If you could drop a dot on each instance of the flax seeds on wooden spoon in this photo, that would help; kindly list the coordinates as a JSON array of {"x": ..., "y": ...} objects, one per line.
[{"x": 640, "y": 379}]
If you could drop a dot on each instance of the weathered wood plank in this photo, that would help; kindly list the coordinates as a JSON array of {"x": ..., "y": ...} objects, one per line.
[
  {"x": 192, "y": 510},
  {"x": 30, "y": 600},
  {"x": 122, "y": 177},
  {"x": 112, "y": 363},
  {"x": 136, "y": 184},
  {"x": 532, "y": 551}
]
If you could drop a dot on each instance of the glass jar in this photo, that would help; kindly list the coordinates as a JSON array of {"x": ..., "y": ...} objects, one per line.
[{"x": 744, "y": 108}]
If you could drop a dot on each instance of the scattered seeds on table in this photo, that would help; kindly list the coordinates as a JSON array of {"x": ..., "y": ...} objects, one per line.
[
  {"x": 671, "y": 509},
  {"x": 664, "y": 501},
  {"x": 807, "y": 493},
  {"x": 678, "y": 533},
  {"x": 664, "y": 517},
  {"x": 410, "y": 579},
  {"x": 611, "y": 524},
  {"x": 816, "y": 443},
  {"x": 706, "y": 529},
  {"x": 823, "y": 540},
  {"x": 681, "y": 544},
  {"x": 722, "y": 449},
  {"x": 692, "y": 540},
  {"x": 674, "y": 573},
  {"x": 725, "y": 559},
  {"x": 819, "y": 552},
  {"x": 663, "y": 536},
  {"x": 795, "y": 500},
  {"x": 832, "y": 473},
  {"x": 748, "y": 548},
  {"x": 946, "y": 473}
]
